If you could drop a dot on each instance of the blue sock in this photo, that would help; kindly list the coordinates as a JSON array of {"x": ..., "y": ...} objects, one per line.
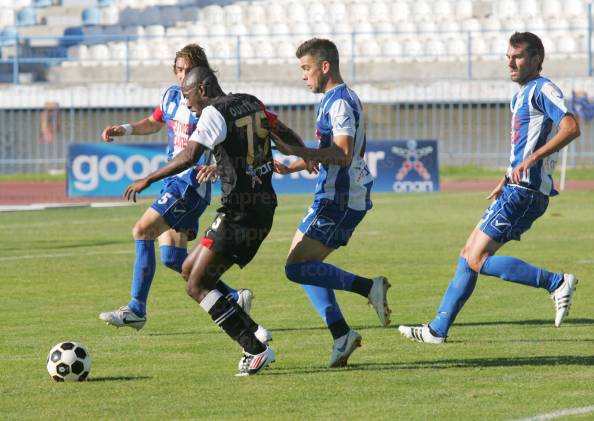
[
  {"x": 515, "y": 270},
  {"x": 324, "y": 301},
  {"x": 173, "y": 257},
  {"x": 459, "y": 289},
  {"x": 226, "y": 290},
  {"x": 327, "y": 276},
  {"x": 142, "y": 276}
]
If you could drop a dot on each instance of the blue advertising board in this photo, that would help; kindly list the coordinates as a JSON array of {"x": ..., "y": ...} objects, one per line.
[{"x": 104, "y": 170}]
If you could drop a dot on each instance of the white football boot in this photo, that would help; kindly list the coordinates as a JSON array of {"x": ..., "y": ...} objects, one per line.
[
  {"x": 252, "y": 364},
  {"x": 244, "y": 299},
  {"x": 563, "y": 296},
  {"x": 378, "y": 299},
  {"x": 343, "y": 348},
  {"x": 420, "y": 334},
  {"x": 123, "y": 316}
]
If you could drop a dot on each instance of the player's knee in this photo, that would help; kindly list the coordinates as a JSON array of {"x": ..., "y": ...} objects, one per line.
[
  {"x": 139, "y": 232},
  {"x": 475, "y": 262},
  {"x": 186, "y": 268},
  {"x": 293, "y": 271},
  {"x": 193, "y": 291}
]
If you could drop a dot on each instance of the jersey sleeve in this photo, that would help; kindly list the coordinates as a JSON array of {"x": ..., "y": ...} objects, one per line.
[
  {"x": 342, "y": 118},
  {"x": 158, "y": 114},
  {"x": 550, "y": 101},
  {"x": 272, "y": 117},
  {"x": 211, "y": 129}
]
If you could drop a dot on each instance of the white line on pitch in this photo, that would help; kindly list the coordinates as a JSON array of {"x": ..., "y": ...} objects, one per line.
[{"x": 559, "y": 414}]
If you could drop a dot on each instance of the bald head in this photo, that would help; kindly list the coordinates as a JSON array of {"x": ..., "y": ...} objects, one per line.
[{"x": 202, "y": 76}]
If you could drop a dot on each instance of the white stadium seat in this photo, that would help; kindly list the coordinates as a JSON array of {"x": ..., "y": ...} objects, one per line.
[
  {"x": 551, "y": 8},
  {"x": 421, "y": 10},
  {"x": 317, "y": 13},
  {"x": 276, "y": 13},
  {"x": 400, "y": 11},
  {"x": 7, "y": 18},
  {"x": 392, "y": 49},
  {"x": 337, "y": 12},
  {"x": 100, "y": 54},
  {"x": 463, "y": 9},
  {"x": 117, "y": 52},
  {"x": 359, "y": 12},
  {"x": 296, "y": 13},
  {"x": 380, "y": 12},
  {"x": 110, "y": 15},
  {"x": 255, "y": 13},
  {"x": 529, "y": 8},
  {"x": 406, "y": 27},
  {"x": 342, "y": 28},
  {"x": 491, "y": 24},
  {"x": 280, "y": 29},
  {"x": 471, "y": 25},
  {"x": 238, "y": 29},
  {"x": 154, "y": 31},
  {"x": 574, "y": 8},
  {"x": 442, "y": 10},
  {"x": 427, "y": 26},
  {"x": 457, "y": 48},
  {"x": 450, "y": 26},
  {"x": 233, "y": 14},
  {"x": 435, "y": 48},
  {"x": 213, "y": 14},
  {"x": 197, "y": 30}
]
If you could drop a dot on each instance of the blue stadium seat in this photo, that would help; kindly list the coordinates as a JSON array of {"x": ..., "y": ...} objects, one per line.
[
  {"x": 105, "y": 3},
  {"x": 25, "y": 17},
  {"x": 91, "y": 16},
  {"x": 41, "y": 3},
  {"x": 8, "y": 36}
]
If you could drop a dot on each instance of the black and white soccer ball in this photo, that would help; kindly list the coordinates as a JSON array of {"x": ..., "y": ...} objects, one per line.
[{"x": 68, "y": 361}]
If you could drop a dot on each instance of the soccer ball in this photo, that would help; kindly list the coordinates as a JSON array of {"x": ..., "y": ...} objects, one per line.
[{"x": 68, "y": 361}]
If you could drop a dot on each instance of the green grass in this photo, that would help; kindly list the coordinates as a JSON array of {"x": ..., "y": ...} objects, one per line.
[
  {"x": 504, "y": 359},
  {"x": 473, "y": 172},
  {"x": 448, "y": 173}
]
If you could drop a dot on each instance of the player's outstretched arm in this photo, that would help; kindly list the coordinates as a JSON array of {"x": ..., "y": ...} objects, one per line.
[
  {"x": 569, "y": 129},
  {"x": 145, "y": 126},
  {"x": 184, "y": 160}
]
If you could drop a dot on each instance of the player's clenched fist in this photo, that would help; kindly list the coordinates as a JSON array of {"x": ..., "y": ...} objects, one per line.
[{"x": 111, "y": 131}]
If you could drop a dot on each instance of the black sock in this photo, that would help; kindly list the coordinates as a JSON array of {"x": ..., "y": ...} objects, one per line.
[
  {"x": 362, "y": 286},
  {"x": 252, "y": 326},
  {"x": 228, "y": 318},
  {"x": 339, "y": 328}
]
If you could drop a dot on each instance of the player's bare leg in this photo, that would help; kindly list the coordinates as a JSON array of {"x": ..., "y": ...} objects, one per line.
[{"x": 202, "y": 269}]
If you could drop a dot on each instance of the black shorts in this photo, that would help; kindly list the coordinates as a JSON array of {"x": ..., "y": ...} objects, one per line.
[{"x": 237, "y": 235}]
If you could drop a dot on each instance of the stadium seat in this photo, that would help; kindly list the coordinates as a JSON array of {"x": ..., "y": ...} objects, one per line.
[
  {"x": 92, "y": 34},
  {"x": 79, "y": 54},
  {"x": 99, "y": 55},
  {"x": 170, "y": 16},
  {"x": 8, "y": 37},
  {"x": 566, "y": 45},
  {"x": 296, "y": 13},
  {"x": 134, "y": 31},
  {"x": 529, "y": 8},
  {"x": 342, "y": 28},
  {"x": 139, "y": 52},
  {"x": 7, "y": 18},
  {"x": 359, "y": 12},
  {"x": 337, "y": 12},
  {"x": 106, "y": 3},
  {"x": 472, "y": 25},
  {"x": 150, "y": 16},
  {"x": 256, "y": 13},
  {"x": 479, "y": 46},
  {"x": 384, "y": 30},
  {"x": 317, "y": 13},
  {"x": 117, "y": 53},
  {"x": 322, "y": 29},
  {"x": 213, "y": 14},
  {"x": 427, "y": 26},
  {"x": 129, "y": 17},
  {"x": 190, "y": 13},
  {"x": 110, "y": 15},
  {"x": 157, "y": 31},
  {"x": 435, "y": 49},
  {"x": 367, "y": 50},
  {"x": 574, "y": 8},
  {"x": 24, "y": 17},
  {"x": 406, "y": 27},
  {"x": 275, "y": 13},
  {"x": 490, "y": 24},
  {"x": 380, "y": 12},
  {"x": 285, "y": 51},
  {"x": 280, "y": 29},
  {"x": 41, "y": 3},
  {"x": 175, "y": 32},
  {"x": 197, "y": 31},
  {"x": 391, "y": 49},
  {"x": 266, "y": 52},
  {"x": 247, "y": 51},
  {"x": 442, "y": 11},
  {"x": 421, "y": 10},
  {"x": 498, "y": 46},
  {"x": 400, "y": 11},
  {"x": 463, "y": 9},
  {"x": 457, "y": 48},
  {"x": 238, "y": 29},
  {"x": 551, "y": 9},
  {"x": 301, "y": 31},
  {"x": 233, "y": 14},
  {"x": 450, "y": 26},
  {"x": 91, "y": 16},
  {"x": 579, "y": 22}
]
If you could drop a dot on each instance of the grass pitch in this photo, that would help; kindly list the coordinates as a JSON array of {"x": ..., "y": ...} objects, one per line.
[{"x": 504, "y": 358}]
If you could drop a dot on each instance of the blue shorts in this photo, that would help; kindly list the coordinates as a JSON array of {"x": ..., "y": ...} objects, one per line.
[
  {"x": 513, "y": 213},
  {"x": 180, "y": 206},
  {"x": 330, "y": 224}
]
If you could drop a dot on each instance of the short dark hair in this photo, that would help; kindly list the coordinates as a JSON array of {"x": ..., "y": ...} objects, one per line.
[
  {"x": 194, "y": 54},
  {"x": 323, "y": 49},
  {"x": 203, "y": 75},
  {"x": 533, "y": 42}
]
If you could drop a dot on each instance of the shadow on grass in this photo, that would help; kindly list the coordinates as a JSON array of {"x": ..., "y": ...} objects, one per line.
[
  {"x": 117, "y": 378},
  {"x": 548, "y": 322},
  {"x": 543, "y": 361}
]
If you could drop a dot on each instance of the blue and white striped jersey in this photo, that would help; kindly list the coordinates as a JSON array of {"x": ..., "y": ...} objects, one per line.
[
  {"x": 340, "y": 113},
  {"x": 181, "y": 123},
  {"x": 536, "y": 109}
]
